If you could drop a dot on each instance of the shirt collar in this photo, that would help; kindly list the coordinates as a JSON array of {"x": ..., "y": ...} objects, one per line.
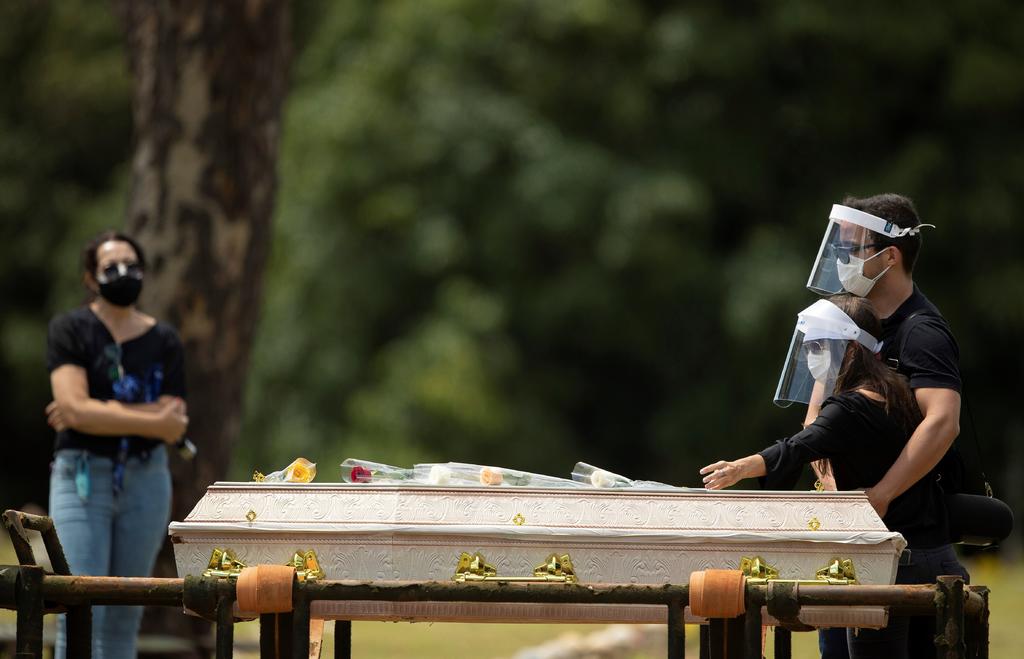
[{"x": 909, "y": 306}]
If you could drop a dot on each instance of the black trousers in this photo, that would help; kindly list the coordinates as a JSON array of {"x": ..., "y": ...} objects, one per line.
[{"x": 906, "y": 637}]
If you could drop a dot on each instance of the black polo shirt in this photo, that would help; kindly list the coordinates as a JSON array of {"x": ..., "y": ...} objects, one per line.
[{"x": 918, "y": 341}]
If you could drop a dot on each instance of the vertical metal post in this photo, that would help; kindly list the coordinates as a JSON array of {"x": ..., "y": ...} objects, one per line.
[
  {"x": 342, "y": 639},
  {"x": 783, "y": 643},
  {"x": 735, "y": 637},
  {"x": 300, "y": 625},
  {"x": 716, "y": 638},
  {"x": 276, "y": 636},
  {"x": 225, "y": 626},
  {"x": 705, "y": 640},
  {"x": 79, "y": 631},
  {"x": 949, "y": 618},
  {"x": 676, "y": 630},
  {"x": 726, "y": 637},
  {"x": 977, "y": 628},
  {"x": 29, "y": 643},
  {"x": 752, "y": 633},
  {"x": 268, "y": 636}
]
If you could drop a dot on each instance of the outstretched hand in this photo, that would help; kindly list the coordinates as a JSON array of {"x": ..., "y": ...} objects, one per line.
[{"x": 722, "y": 474}]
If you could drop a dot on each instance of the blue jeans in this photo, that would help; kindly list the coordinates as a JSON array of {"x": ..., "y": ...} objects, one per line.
[
  {"x": 906, "y": 637},
  {"x": 832, "y": 643},
  {"x": 108, "y": 535}
]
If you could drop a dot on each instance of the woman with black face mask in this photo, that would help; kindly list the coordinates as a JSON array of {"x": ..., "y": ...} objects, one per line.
[{"x": 118, "y": 385}]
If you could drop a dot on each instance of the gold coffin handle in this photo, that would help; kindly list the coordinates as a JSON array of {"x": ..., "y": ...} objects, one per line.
[
  {"x": 224, "y": 564},
  {"x": 474, "y": 568},
  {"x": 838, "y": 572}
]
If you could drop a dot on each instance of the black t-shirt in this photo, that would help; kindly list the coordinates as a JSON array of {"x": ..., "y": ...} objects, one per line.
[
  {"x": 136, "y": 371},
  {"x": 920, "y": 342},
  {"x": 861, "y": 441}
]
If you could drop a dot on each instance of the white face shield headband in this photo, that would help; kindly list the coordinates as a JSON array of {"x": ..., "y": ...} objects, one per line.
[
  {"x": 823, "y": 332},
  {"x": 839, "y": 265}
]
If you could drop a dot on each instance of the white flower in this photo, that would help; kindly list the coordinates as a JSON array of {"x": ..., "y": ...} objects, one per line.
[
  {"x": 602, "y": 478},
  {"x": 439, "y": 475}
]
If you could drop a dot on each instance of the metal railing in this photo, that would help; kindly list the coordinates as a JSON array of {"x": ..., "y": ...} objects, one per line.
[{"x": 961, "y": 612}]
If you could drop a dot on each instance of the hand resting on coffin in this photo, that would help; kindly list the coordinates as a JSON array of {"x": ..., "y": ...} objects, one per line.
[{"x": 724, "y": 473}]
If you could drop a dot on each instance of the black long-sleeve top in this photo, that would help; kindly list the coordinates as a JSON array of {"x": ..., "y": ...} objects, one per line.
[{"x": 861, "y": 441}]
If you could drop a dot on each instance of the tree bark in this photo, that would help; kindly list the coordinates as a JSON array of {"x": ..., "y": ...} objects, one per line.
[{"x": 209, "y": 82}]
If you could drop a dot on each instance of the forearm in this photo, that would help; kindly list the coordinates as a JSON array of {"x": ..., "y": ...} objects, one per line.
[
  {"x": 814, "y": 405},
  {"x": 113, "y": 418},
  {"x": 923, "y": 451},
  {"x": 752, "y": 466}
]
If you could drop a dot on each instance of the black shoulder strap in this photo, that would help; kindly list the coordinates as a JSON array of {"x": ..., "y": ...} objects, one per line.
[
  {"x": 974, "y": 434},
  {"x": 902, "y": 333}
]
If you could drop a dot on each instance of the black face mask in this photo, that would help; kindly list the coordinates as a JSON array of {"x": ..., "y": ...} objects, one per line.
[{"x": 122, "y": 290}]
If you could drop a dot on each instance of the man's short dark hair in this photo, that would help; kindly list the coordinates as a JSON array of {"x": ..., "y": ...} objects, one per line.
[{"x": 900, "y": 211}]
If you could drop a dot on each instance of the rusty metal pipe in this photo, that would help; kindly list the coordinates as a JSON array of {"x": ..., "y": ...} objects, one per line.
[
  {"x": 98, "y": 591},
  {"x": 916, "y": 599},
  {"x": 494, "y": 592}
]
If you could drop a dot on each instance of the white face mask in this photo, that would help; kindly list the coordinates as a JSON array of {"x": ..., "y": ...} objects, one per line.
[
  {"x": 818, "y": 363},
  {"x": 851, "y": 275}
]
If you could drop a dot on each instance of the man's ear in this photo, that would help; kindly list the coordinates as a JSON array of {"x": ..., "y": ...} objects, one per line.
[{"x": 893, "y": 257}]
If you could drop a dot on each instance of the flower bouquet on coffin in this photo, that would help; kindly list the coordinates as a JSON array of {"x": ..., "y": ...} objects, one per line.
[
  {"x": 587, "y": 474},
  {"x": 300, "y": 470},
  {"x": 354, "y": 470},
  {"x": 463, "y": 474}
]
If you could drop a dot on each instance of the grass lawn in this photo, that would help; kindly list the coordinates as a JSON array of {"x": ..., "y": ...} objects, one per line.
[{"x": 446, "y": 640}]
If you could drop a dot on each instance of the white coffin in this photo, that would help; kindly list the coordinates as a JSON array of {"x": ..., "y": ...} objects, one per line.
[{"x": 416, "y": 533}]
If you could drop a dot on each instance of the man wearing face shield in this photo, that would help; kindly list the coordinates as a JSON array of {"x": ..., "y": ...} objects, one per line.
[
  {"x": 869, "y": 249},
  {"x": 867, "y": 413}
]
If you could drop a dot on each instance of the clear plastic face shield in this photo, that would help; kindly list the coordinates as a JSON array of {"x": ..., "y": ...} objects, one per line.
[
  {"x": 823, "y": 332},
  {"x": 851, "y": 239}
]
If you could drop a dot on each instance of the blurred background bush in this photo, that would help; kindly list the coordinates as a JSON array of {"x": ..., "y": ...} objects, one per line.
[{"x": 529, "y": 233}]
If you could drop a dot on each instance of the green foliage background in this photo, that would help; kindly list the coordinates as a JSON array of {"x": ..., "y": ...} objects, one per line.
[{"x": 530, "y": 233}]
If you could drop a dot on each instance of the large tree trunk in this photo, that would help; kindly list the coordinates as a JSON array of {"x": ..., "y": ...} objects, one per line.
[{"x": 209, "y": 82}]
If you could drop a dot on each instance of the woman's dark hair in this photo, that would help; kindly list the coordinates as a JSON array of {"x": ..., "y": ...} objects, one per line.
[
  {"x": 861, "y": 368},
  {"x": 89, "y": 260}
]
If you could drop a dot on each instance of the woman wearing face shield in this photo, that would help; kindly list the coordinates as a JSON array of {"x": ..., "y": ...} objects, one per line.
[
  {"x": 118, "y": 383},
  {"x": 866, "y": 417}
]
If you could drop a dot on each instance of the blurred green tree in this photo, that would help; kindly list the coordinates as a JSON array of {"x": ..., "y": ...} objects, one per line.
[{"x": 531, "y": 232}]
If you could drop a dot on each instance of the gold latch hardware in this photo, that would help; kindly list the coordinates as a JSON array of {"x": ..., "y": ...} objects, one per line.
[
  {"x": 475, "y": 568},
  {"x": 839, "y": 572},
  {"x": 307, "y": 566},
  {"x": 224, "y": 564}
]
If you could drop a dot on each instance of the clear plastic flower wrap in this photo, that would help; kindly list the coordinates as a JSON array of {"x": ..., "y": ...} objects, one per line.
[
  {"x": 354, "y": 470},
  {"x": 300, "y": 470},
  {"x": 463, "y": 474},
  {"x": 588, "y": 474}
]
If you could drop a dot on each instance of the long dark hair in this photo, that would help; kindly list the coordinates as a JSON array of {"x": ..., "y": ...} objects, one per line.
[{"x": 861, "y": 368}]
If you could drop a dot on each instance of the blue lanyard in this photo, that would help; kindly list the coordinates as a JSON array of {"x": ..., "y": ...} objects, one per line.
[{"x": 119, "y": 465}]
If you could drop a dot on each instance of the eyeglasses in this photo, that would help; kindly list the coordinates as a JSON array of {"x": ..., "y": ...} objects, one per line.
[
  {"x": 814, "y": 347},
  {"x": 843, "y": 251},
  {"x": 119, "y": 269}
]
